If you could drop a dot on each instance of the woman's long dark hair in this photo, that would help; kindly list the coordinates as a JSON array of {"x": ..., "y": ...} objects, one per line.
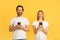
[{"x": 38, "y": 14}]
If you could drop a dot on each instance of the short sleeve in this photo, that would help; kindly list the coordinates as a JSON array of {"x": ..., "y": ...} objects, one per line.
[
  {"x": 46, "y": 24},
  {"x": 12, "y": 22},
  {"x": 27, "y": 22}
]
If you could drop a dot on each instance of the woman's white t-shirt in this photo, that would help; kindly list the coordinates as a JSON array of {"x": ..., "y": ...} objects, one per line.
[
  {"x": 19, "y": 33},
  {"x": 40, "y": 35}
]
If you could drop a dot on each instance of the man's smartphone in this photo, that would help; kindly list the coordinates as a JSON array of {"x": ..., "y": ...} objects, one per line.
[{"x": 19, "y": 23}]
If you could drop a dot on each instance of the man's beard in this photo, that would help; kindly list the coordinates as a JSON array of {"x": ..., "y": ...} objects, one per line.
[{"x": 19, "y": 14}]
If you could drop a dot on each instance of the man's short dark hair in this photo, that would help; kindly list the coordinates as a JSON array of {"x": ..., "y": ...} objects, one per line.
[{"x": 19, "y": 6}]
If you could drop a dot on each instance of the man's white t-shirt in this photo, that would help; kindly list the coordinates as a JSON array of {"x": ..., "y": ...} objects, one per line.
[
  {"x": 19, "y": 33},
  {"x": 40, "y": 34}
]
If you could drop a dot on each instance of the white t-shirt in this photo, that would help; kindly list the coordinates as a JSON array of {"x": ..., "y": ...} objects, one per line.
[
  {"x": 40, "y": 35},
  {"x": 19, "y": 33}
]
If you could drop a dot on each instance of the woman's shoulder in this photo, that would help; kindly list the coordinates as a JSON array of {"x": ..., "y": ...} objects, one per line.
[{"x": 45, "y": 21}]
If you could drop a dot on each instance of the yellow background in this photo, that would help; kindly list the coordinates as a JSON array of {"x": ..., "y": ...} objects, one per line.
[{"x": 51, "y": 10}]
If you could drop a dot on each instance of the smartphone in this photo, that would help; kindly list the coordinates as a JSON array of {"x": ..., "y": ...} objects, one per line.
[
  {"x": 19, "y": 23},
  {"x": 40, "y": 23}
]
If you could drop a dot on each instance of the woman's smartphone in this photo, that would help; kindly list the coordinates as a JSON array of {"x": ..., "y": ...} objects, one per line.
[{"x": 40, "y": 23}]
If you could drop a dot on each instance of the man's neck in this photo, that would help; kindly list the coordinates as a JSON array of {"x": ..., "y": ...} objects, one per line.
[{"x": 19, "y": 16}]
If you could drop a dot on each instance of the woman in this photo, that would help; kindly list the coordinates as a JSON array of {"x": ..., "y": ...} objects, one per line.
[{"x": 40, "y": 27}]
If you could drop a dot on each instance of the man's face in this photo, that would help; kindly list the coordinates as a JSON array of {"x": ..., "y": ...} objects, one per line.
[{"x": 19, "y": 11}]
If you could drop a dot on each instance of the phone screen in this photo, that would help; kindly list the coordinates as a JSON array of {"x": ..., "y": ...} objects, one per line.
[
  {"x": 40, "y": 23},
  {"x": 19, "y": 23}
]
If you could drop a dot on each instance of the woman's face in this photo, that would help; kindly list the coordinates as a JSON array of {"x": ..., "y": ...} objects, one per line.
[{"x": 40, "y": 14}]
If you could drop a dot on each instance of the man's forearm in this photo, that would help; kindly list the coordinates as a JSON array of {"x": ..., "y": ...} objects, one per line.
[
  {"x": 18, "y": 27},
  {"x": 25, "y": 28},
  {"x": 14, "y": 28},
  {"x": 11, "y": 28}
]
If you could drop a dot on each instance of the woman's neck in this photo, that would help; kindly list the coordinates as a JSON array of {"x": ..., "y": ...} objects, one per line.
[{"x": 40, "y": 20}]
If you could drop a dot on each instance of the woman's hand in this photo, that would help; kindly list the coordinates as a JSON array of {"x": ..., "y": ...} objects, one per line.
[{"x": 40, "y": 26}]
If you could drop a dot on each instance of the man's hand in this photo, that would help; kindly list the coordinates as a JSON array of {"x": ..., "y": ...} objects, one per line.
[{"x": 19, "y": 27}]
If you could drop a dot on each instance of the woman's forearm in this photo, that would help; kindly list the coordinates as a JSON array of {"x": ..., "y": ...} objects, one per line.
[
  {"x": 36, "y": 30},
  {"x": 45, "y": 31}
]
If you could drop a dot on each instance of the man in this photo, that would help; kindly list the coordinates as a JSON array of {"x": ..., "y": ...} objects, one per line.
[{"x": 19, "y": 25}]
